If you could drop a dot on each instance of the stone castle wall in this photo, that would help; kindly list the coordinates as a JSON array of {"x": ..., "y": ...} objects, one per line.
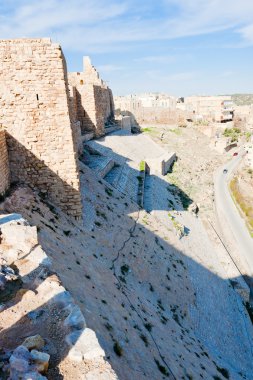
[
  {"x": 35, "y": 112},
  {"x": 92, "y": 98},
  {"x": 4, "y": 164},
  {"x": 151, "y": 115}
]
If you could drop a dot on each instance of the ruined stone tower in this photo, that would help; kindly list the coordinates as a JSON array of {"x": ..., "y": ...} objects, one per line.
[
  {"x": 34, "y": 111},
  {"x": 92, "y": 99}
]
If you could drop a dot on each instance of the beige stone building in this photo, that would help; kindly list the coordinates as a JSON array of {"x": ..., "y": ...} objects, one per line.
[
  {"x": 213, "y": 108},
  {"x": 245, "y": 115}
]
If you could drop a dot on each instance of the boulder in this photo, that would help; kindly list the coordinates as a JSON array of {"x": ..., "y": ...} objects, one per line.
[
  {"x": 75, "y": 319},
  {"x": 41, "y": 359},
  {"x": 84, "y": 344},
  {"x": 34, "y": 342},
  {"x": 193, "y": 208},
  {"x": 19, "y": 362}
]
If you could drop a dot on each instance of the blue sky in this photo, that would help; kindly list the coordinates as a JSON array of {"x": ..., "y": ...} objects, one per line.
[{"x": 180, "y": 47}]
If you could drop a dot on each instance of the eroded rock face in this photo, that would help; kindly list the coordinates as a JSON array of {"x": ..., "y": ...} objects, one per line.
[
  {"x": 193, "y": 208},
  {"x": 10, "y": 282},
  {"x": 39, "y": 317}
]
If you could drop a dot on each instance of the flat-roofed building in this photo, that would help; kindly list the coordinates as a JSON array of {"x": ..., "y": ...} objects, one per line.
[{"x": 215, "y": 108}]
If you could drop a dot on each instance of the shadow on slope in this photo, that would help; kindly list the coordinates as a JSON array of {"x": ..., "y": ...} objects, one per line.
[
  {"x": 157, "y": 313},
  {"x": 142, "y": 295},
  {"x": 159, "y": 194}
]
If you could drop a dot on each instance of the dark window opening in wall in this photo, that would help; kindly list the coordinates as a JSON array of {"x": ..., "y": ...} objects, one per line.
[
  {"x": 81, "y": 81},
  {"x": 37, "y": 96},
  {"x": 83, "y": 113}
]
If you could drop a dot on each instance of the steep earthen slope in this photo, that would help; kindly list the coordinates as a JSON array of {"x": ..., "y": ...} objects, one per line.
[{"x": 139, "y": 292}]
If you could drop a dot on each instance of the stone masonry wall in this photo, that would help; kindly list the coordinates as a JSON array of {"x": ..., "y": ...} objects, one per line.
[
  {"x": 4, "y": 164},
  {"x": 34, "y": 110},
  {"x": 153, "y": 115},
  {"x": 93, "y": 99}
]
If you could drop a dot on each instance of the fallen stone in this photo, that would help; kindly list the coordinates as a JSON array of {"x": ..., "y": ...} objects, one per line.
[
  {"x": 75, "y": 319},
  {"x": 193, "y": 208},
  {"x": 19, "y": 360},
  {"x": 34, "y": 342},
  {"x": 84, "y": 343},
  {"x": 41, "y": 360}
]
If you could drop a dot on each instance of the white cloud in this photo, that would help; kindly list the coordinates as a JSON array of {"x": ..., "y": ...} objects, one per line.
[
  {"x": 227, "y": 74},
  {"x": 110, "y": 25},
  {"x": 157, "y": 59},
  {"x": 185, "y": 76},
  {"x": 109, "y": 68},
  {"x": 158, "y": 75},
  {"x": 247, "y": 34}
]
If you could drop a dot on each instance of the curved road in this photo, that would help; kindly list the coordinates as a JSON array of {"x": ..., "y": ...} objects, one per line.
[{"x": 230, "y": 217}]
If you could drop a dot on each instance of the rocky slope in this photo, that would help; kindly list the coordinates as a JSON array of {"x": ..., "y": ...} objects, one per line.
[
  {"x": 140, "y": 289},
  {"x": 40, "y": 323}
]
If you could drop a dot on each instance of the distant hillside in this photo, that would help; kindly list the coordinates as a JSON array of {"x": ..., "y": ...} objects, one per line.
[{"x": 242, "y": 99}]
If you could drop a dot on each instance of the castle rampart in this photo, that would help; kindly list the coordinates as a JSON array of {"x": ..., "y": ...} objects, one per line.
[{"x": 36, "y": 114}]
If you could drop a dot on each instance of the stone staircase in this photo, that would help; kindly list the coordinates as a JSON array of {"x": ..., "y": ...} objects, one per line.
[{"x": 100, "y": 164}]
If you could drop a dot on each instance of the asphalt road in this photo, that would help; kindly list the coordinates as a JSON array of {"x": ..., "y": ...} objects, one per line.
[{"x": 228, "y": 214}]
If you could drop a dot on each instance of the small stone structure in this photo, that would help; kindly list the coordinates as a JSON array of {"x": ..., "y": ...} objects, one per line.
[
  {"x": 167, "y": 162},
  {"x": 92, "y": 100},
  {"x": 125, "y": 123},
  {"x": 36, "y": 112},
  {"x": 163, "y": 163},
  {"x": 4, "y": 164}
]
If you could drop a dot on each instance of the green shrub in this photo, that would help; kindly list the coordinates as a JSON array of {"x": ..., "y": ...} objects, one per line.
[
  {"x": 118, "y": 349},
  {"x": 142, "y": 166}
]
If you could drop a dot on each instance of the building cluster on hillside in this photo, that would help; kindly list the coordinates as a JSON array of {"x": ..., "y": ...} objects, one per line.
[
  {"x": 210, "y": 108},
  {"x": 163, "y": 109},
  {"x": 249, "y": 155},
  {"x": 244, "y": 114}
]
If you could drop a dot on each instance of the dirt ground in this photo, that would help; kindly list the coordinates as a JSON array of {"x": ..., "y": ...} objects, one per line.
[
  {"x": 244, "y": 185},
  {"x": 197, "y": 161}
]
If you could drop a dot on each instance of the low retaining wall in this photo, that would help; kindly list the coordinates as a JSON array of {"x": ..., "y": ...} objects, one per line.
[
  {"x": 162, "y": 164},
  {"x": 167, "y": 163},
  {"x": 126, "y": 123},
  {"x": 141, "y": 179}
]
